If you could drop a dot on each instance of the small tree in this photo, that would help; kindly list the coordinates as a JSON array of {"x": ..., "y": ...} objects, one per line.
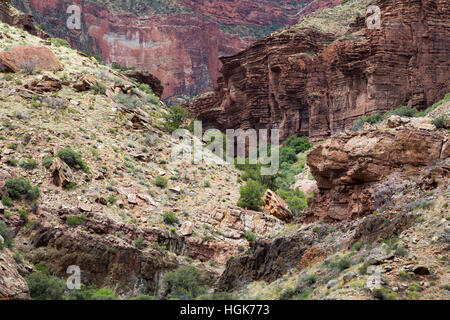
[
  {"x": 175, "y": 118},
  {"x": 251, "y": 196},
  {"x": 186, "y": 283}
]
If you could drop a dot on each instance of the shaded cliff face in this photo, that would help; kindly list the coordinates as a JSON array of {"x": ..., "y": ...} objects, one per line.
[
  {"x": 309, "y": 82},
  {"x": 177, "y": 41}
]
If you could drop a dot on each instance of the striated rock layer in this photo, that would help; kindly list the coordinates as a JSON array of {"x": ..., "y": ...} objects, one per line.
[
  {"x": 308, "y": 82},
  {"x": 349, "y": 169},
  {"x": 179, "y": 42}
]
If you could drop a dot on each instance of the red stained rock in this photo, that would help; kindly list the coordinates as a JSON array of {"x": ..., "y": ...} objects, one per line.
[
  {"x": 303, "y": 83},
  {"x": 25, "y": 57}
]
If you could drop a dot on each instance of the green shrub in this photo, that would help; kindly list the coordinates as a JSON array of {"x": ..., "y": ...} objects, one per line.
[
  {"x": 185, "y": 283},
  {"x": 45, "y": 287},
  {"x": 358, "y": 124},
  {"x": 18, "y": 257},
  {"x": 104, "y": 294},
  {"x": 170, "y": 218},
  {"x": 439, "y": 122},
  {"x": 140, "y": 242},
  {"x": 7, "y": 201},
  {"x": 47, "y": 162},
  {"x": 298, "y": 144},
  {"x": 160, "y": 182},
  {"x": 72, "y": 158},
  {"x": 60, "y": 42},
  {"x": 295, "y": 199},
  {"x": 99, "y": 88},
  {"x": 357, "y": 246},
  {"x": 362, "y": 270},
  {"x": 250, "y": 236},
  {"x": 207, "y": 184},
  {"x": 6, "y": 234},
  {"x": 175, "y": 118},
  {"x": 13, "y": 162},
  {"x": 344, "y": 263},
  {"x": 18, "y": 187},
  {"x": 402, "y": 111},
  {"x": 143, "y": 297},
  {"x": 216, "y": 296},
  {"x": 251, "y": 195},
  {"x": 75, "y": 220},
  {"x": 118, "y": 66},
  {"x": 29, "y": 164},
  {"x": 287, "y": 155},
  {"x": 111, "y": 199}
]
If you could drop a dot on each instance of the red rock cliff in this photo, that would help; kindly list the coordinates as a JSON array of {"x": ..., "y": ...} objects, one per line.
[
  {"x": 307, "y": 82},
  {"x": 181, "y": 46}
]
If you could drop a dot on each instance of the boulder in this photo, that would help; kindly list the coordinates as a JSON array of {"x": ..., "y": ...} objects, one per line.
[
  {"x": 61, "y": 173},
  {"x": 29, "y": 57},
  {"x": 47, "y": 83},
  {"x": 147, "y": 78},
  {"x": 277, "y": 207},
  {"x": 186, "y": 228}
]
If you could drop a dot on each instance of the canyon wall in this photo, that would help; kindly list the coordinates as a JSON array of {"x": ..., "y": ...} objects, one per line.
[
  {"x": 178, "y": 41},
  {"x": 309, "y": 82}
]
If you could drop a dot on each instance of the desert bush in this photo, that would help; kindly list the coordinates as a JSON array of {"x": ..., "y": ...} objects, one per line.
[
  {"x": 98, "y": 88},
  {"x": 358, "y": 124},
  {"x": 250, "y": 236},
  {"x": 60, "y": 42},
  {"x": 131, "y": 102},
  {"x": 439, "y": 122},
  {"x": 29, "y": 164},
  {"x": 175, "y": 118},
  {"x": 18, "y": 187},
  {"x": 402, "y": 111},
  {"x": 72, "y": 158},
  {"x": 295, "y": 199},
  {"x": 7, "y": 201},
  {"x": 299, "y": 144},
  {"x": 75, "y": 220},
  {"x": 160, "y": 182},
  {"x": 186, "y": 283},
  {"x": 45, "y": 287},
  {"x": 251, "y": 195},
  {"x": 140, "y": 242},
  {"x": 170, "y": 218},
  {"x": 6, "y": 234},
  {"x": 47, "y": 162},
  {"x": 118, "y": 66}
]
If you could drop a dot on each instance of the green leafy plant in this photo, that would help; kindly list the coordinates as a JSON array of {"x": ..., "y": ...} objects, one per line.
[
  {"x": 170, "y": 218},
  {"x": 72, "y": 158},
  {"x": 160, "y": 182},
  {"x": 186, "y": 283},
  {"x": 251, "y": 195},
  {"x": 175, "y": 118}
]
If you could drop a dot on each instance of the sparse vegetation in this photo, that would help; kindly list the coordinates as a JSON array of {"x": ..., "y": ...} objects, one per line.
[
  {"x": 175, "y": 118},
  {"x": 251, "y": 194},
  {"x": 186, "y": 283},
  {"x": 72, "y": 158}
]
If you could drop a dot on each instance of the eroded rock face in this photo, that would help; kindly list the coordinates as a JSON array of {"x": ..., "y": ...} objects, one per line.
[
  {"x": 348, "y": 167},
  {"x": 147, "y": 78},
  {"x": 277, "y": 207},
  {"x": 13, "y": 17},
  {"x": 12, "y": 285},
  {"x": 29, "y": 58},
  {"x": 303, "y": 82},
  {"x": 181, "y": 46}
]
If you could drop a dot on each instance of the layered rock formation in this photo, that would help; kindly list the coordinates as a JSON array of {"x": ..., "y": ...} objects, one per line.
[
  {"x": 179, "y": 42},
  {"x": 308, "y": 82},
  {"x": 16, "y": 18},
  {"x": 349, "y": 168}
]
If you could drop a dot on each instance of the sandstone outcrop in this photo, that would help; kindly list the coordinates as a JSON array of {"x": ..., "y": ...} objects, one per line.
[
  {"x": 29, "y": 58},
  {"x": 13, "y": 17},
  {"x": 277, "y": 207},
  {"x": 348, "y": 167},
  {"x": 307, "y": 82},
  {"x": 181, "y": 45},
  {"x": 147, "y": 78},
  {"x": 12, "y": 285}
]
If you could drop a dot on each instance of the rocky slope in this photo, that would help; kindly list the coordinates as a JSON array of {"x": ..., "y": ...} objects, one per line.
[
  {"x": 317, "y": 77},
  {"x": 377, "y": 229},
  {"x": 107, "y": 214},
  {"x": 178, "y": 41}
]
